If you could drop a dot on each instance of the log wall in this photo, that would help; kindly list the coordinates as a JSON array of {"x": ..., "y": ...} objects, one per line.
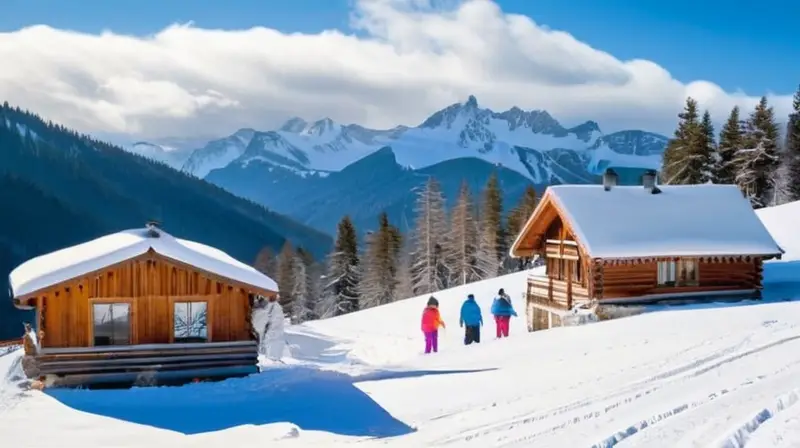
[
  {"x": 151, "y": 285},
  {"x": 632, "y": 280}
]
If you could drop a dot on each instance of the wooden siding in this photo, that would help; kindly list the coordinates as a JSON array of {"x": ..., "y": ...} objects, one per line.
[
  {"x": 632, "y": 280},
  {"x": 151, "y": 284}
]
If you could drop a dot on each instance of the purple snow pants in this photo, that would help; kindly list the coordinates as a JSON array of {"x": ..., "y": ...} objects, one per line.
[{"x": 431, "y": 341}]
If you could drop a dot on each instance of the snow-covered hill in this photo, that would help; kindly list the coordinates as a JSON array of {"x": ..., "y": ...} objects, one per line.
[{"x": 717, "y": 375}]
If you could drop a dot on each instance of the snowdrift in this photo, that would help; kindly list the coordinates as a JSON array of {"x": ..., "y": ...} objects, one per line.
[{"x": 782, "y": 222}]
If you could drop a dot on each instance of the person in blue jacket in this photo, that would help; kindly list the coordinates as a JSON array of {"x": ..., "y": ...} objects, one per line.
[
  {"x": 471, "y": 320},
  {"x": 502, "y": 310}
]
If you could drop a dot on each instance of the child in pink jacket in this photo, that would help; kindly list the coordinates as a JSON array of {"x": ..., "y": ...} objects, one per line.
[{"x": 431, "y": 321}]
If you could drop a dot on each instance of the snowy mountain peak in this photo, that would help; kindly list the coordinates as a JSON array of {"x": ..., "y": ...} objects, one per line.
[
  {"x": 471, "y": 102},
  {"x": 326, "y": 126},
  {"x": 294, "y": 125}
]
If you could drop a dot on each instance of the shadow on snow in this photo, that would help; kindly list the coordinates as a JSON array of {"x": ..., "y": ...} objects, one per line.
[{"x": 309, "y": 398}]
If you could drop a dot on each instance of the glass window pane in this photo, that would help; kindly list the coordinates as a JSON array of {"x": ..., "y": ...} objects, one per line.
[
  {"x": 111, "y": 323},
  {"x": 189, "y": 322}
]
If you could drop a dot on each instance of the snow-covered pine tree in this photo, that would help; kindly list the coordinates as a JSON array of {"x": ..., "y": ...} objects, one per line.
[
  {"x": 461, "y": 246},
  {"x": 285, "y": 277},
  {"x": 707, "y": 152},
  {"x": 792, "y": 159},
  {"x": 731, "y": 139},
  {"x": 342, "y": 275},
  {"x": 266, "y": 262},
  {"x": 302, "y": 302},
  {"x": 685, "y": 156},
  {"x": 378, "y": 285},
  {"x": 516, "y": 220},
  {"x": 306, "y": 288},
  {"x": 757, "y": 164},
  {"x": 428, "y": 269}
]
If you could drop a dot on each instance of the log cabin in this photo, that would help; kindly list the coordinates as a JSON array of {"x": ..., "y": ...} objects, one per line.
[
  {"x": 139, "y": 307},
  {"x": 612, "y": 244}
]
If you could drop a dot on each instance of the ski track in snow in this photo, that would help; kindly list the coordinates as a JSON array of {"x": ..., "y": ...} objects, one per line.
[{"x": 656, "y": 389}]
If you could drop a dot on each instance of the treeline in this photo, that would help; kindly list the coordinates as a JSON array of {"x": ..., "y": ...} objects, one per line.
[
  {"x": 468, "y": 244},
  {"x": 749, "y": 152}
]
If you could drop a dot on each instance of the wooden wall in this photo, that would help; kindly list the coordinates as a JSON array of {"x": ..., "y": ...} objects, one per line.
[
  {"x": 631, "y": 280},
  {"x": 151, "y": 285}
]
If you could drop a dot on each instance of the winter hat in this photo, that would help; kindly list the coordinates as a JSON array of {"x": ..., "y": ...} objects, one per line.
[
  {"x": 433, "y": 302},
  {"x": 470, "y": 296},
  {"x": 501, "y": 292}
]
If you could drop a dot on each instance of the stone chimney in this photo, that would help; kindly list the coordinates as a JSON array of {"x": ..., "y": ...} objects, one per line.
[
  {"x": 609, "y": 179},
  {"x": 153, "y": 228},
  {"x": 649, "y": 181}
]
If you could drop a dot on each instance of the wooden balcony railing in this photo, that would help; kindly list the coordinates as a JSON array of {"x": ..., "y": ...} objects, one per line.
[{"x": 555, "y": 293}]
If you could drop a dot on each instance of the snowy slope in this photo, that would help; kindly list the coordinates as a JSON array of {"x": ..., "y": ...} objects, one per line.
[
  {"x": 531, "y": 142},
  {"x": 718, "y": 375}
]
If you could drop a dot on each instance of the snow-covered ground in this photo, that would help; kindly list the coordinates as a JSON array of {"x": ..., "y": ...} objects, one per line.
[{"x": 716, "y": 375}]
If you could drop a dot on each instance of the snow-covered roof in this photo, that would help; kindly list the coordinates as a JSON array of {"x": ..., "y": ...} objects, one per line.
[
  {"x": 72, "y": 262},
  {"x": 683, "y": 220}
]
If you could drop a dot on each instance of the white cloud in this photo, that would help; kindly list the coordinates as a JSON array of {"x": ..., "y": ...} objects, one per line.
[{"x": 407, "y": 60}]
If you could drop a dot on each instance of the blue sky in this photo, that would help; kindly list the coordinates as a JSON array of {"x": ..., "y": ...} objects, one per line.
[{"x": 726, "y": 42}]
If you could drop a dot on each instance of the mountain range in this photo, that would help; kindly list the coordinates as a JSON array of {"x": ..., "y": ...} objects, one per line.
[
  {"x": 317, "y": 171},
  {"x": 59, "y": 188}
]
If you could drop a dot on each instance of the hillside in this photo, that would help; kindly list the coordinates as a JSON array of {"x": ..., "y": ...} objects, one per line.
[
  {"x": 364, "y": 189},
  {"x": 61, "y": 188},
  {"x": 721, "y": 375}
]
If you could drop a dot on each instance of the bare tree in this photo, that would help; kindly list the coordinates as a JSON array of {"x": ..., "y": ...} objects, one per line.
[
  {"x": 461, "y": 246},
  {"x": 428, "y": 269}
]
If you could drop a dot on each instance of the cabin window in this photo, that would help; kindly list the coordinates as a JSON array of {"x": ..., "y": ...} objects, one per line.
[
  {"x": 189, "y": 322},
  {"x": 687, "y": 270},
  {"x": 681, "y": 273},
  {"x": 111, "y": 323},
  {"x": 666, "y": 273}
]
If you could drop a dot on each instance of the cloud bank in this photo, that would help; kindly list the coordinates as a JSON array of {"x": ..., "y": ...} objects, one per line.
[{"x": 402, "y": 60}]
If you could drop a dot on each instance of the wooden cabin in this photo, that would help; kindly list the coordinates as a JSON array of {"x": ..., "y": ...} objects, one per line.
[
  {"x": 139, "y": 307},
  {"x": 611, "y": 244}
]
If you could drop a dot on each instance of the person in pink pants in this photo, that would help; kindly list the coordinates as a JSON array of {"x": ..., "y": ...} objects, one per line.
[
  {"x": 431, "y": 321},
  {"x": 502, "y": 310}
]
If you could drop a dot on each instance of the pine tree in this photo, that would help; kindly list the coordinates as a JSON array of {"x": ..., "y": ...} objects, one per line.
[
  {"x": 731, "y": 139},
  {"x": 462, "y": 243},
  {"x": 286, "y": 279},
  {"x": 793, "y": 150},
  {"x": 303, "y": 303},
  {"x": 340, "y": 290},
  {"x": 708, "y": 150},
  {"x": 379, "y": 283},
  {"x": 428, "y": 269},
  {"x": 491, "y": 240},
  {"x": 686, "y": 157},
  {"x": 517, "y": 219},
  {"x": 757, "y": 164},
  {"x": 266, "y": 262}
]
